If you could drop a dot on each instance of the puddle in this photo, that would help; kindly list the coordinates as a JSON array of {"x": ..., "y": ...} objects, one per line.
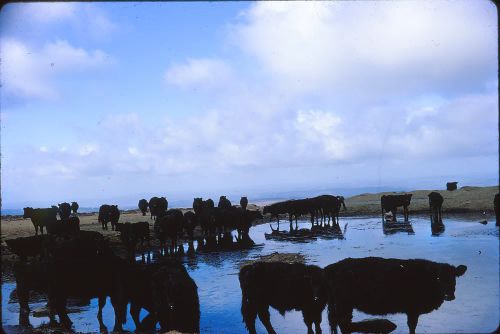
[{"x": 475, "y": 309}]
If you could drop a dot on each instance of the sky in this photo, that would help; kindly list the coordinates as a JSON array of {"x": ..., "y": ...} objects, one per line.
[{"x": 113, "y": 102}]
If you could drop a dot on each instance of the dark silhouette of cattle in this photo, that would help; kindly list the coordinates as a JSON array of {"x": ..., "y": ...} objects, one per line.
[
  {"x": 496, "y": 205},
  {"x": 131, "y": 234},
  {"x": 70, "y": 246},
  {"x": 244, "y": 203},
  {"x": 392, "y": 202},
  {"x": 77, "y": 273},
  {"x": 70, "y": 225},
  {"x": 435, "y": 204},
  {"x": 204, "y": 211},
  {"x": 108, "y": 214},
  {"x": 450, "y": 186},
  {"x": 143, "y": 206},
  {"x": 64, "y": 211},
  {"x": 224, "y": 203},
  {"x": 41, "y": 217},
  {"x": 74, "y": 207},
  {"x": 27, "y": 246},
  {"x": 175, "y": 299},
  {"x": 170, "y": 227},
  {"x": 330, "y": 206},
  {"x": 385, "y": 286},
  {"x": 158, "y": 207},
  {"x": 275, "y": 210},
  {"x": 284, "y": 287},
  {"x": 189, "y": 224}
]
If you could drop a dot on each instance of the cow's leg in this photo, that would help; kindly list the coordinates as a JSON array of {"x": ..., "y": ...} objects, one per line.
[
  {"x": 41, "y": 229},
  {"x": 60, "y": 305},
  {"x": 308, "y": 320},
  {"x": 265, "y": 318},
  {"x": 102, "y": 302},
  {"x": 412, "y": 322}
]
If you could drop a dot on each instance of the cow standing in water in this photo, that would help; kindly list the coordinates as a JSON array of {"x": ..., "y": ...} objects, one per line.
[
  {"x": 285, "y": 287},
  {"x": 380, "y": 286},
  {"x": 435, "y": 204},
  {"x": 391, "y": 203}
]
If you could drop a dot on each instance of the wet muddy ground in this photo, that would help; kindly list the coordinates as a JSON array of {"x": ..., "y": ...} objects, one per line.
[{"x": 464, "y": 241}]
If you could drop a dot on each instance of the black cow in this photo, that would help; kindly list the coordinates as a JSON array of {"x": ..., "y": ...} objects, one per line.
[
  {"x": 70, "y": 225},
  {"x": 275, "y": 210},
  {"x": 27, "y": 246},
  {"x": 64, "y": 211},
  {"x": 158, "y": 207},
  {"x": 74, "y": 207},
  {"x": 224, "y": 203},
  {"x": 169, "y": 227},
  {"x": 496, "y": 205},
  {"x": 103, "y": 217},
  {"x": 41, "y": 217},
  {"x": 450, "y": 186},
  {"x": 435, "y": 204},
  {"x": 284, "y": 287},
  {"x": 131, "y": 233},
  {"x": 175, "y": 299},
  {"x": 244, "y": 203},
  {"x": 391, "y": 203},
  {"x": 143, "y": 206},
  {"x": 114, "y": 215},
  {"x": 189, "y": 224},
  {"x": 385, "y": 286},
  {"x": 204, "y": 211}
]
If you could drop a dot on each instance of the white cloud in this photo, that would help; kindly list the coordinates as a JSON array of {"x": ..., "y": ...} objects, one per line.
[
  {"x": 368, "y": 48},
  {"x": 203, "y": 72},
  {"x": 28, "y": 72}
]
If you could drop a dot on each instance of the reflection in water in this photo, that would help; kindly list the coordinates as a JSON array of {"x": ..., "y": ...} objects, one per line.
[
  {"x": 437, "y": 228},
  {"x": 475, "y": 309},
  {"x": 395, "y": 227}
]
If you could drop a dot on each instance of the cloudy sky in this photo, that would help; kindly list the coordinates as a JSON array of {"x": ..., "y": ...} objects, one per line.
[{"x": 112, "y": 102}]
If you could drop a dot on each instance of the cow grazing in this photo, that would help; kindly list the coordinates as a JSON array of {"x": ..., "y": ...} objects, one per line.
[
  {"x": 175, "y": 299},
  {"x": 41, "y": 217},
  {"x": 244, "y": 203},
  {"x": 169, "y": 227},
  {"x": 392, "y": 202},
  {"x": 275, "y": 210},
  {"x": 74, "y": 207},
  {"x": 435, "y": 204},
  {"x": 27, "y": 246},
  {"x": 64, "y": 211},
  {"x": 450, "y": 186},
  {"x": 385, "y": 286},
  {"x": 496, "y": 205},
  {"x": 284, "y": 287},
  {"x": 143, "y": 206}
]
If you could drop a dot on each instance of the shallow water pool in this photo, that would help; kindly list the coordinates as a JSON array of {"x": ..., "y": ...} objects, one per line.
[{"x": 475, "y": 309}]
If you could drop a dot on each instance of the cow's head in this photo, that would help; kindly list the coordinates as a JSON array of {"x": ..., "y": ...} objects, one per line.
[
  {"x": 446, "y": 277},
  {"x": 316, "y": 284},
  {"x": 27, "y": 212}
]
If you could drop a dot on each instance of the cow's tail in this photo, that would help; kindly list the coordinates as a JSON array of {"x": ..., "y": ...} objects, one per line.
[{"x": 248, "y": 310}]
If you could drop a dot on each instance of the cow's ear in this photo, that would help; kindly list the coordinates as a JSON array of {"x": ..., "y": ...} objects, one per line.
[{"x": 460, "y": 270}]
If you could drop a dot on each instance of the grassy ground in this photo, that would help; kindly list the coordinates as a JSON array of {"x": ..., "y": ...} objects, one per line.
[{"x": 475, "y": 200}]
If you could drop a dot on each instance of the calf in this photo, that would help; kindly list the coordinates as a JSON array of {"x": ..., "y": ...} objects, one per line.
[
  {"x": 284, "y": 287},
  {"x": 435, "y": 204},
  {"x": 41, "y": 217},
  {"x": 391, "y": 203},
  {"x": 27, "y": 246},
  {"x": 383, "y": 286},
  {"x": 143, "y": 206}
]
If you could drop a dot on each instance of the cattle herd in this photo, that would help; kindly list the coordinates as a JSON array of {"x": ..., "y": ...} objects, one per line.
[{"x": 71, "y": 263}]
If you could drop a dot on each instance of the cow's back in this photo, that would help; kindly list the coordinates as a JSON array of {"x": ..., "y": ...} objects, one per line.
[{"x": 383, "y": 286}]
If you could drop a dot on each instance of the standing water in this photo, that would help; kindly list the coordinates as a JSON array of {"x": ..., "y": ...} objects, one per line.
[{"x": 475, "y": 309}]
